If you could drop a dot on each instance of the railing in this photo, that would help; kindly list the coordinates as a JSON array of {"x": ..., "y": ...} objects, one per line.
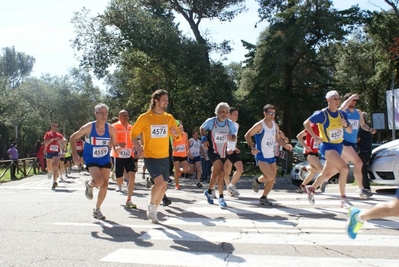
[{"x": 23, "y": 164}]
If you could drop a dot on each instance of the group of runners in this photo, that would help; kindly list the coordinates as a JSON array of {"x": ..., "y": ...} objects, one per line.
[{"x": 330, "y": 131}]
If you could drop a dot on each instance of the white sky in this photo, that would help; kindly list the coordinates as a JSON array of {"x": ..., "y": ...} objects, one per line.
[{"x": 43, "y": 29}]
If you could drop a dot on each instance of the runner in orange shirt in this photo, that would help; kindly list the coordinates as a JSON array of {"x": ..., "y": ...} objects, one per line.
[{"x": 180, "y": 154}]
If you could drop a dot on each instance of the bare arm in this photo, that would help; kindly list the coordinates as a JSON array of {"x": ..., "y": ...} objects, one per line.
[
  {"x": 363, "y": 124},
  {"x": 84, "y": 130},
  {"x": 280, "y": 141},
  {"x": 346, "y": 103},
  {"x": 248, "y": 137}
]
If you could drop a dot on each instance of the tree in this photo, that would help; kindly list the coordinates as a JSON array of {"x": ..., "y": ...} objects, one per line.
[
  {"x": 286, "y": 62},
  {"x": 15, "y": 67}
]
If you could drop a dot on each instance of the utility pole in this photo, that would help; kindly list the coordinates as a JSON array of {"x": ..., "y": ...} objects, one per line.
[{"x": 393, "y": 107}]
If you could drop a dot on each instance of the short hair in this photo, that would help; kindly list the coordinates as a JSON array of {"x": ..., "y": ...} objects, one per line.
[
  {"x": 195, "y": 131},
  {"x": 267, "y": 106},
  {"x": 232, "y": 109},
  {"x": 347, "y": 95},
  {"x": 100, "y": 106},
  {"x": 221, "y": 105},
  {"x": 156, "y": 96},
  {"x": 114, "y": 119}
]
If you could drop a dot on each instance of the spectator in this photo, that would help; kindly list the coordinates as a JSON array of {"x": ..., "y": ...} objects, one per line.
[
  {"x": 40, "y": 156},
  {"x": 13, "y": 152}
]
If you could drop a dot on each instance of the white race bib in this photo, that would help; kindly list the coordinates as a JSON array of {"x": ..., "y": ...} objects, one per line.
[
  {"x": 220, "y": 138},
  {"x": 270, "y": 143},
  {"x": 180, "y": 148},
  {"x": 99, "y": 152},
  {"x": 159, "y": 131},
  {"x": 125, "y": 153},
  {"x": 335, "y": 134},
  {"x": 355, "y": 124},
  {"x": 54, "y": 148},
  {"x": 79, "y": 148}
]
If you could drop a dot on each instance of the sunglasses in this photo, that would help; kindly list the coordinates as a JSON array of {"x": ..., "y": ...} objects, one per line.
[
  {"x": 271, "y": 113},
  {"x": 336, "y": 99}
]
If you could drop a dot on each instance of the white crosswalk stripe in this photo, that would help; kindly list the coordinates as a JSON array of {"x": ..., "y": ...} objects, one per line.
[{"x": 196, "y": 234}]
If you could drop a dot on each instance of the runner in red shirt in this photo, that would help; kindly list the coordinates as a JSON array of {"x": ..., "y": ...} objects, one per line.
[
  {"x": 79, "y": 149},
  {"x": 52, "y": 141}
]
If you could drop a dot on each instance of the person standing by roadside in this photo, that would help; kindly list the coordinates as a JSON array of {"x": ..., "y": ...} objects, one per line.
[
  {"x": 124, "y": 160},
  {"x": 40, "y": 156},
  {"x": 266, "y": 133},
  {"x": 156, "y": 126},
  {"x": 100, "y": 136},
  {"x": 220, "y": 130},
  {"x": 53, "y": 142},
  {"x": 13, "y": 153},
  {"x": 364, "y": 148}
]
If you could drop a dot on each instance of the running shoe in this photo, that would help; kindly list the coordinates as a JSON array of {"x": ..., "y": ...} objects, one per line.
[
  {"x": 363, "y": 193},
  {"x": 130, "y": 205},
  {"x": 209, "y": 197},
  {"x": 345, "y": 203},
  {"x": 255, "y": 184},
  {"x": 55, "y": 184},
  {"x": 49, "y": 174},
  {"x": 177, "y": 186},
  {"x": 301, "y": 189},
  {"x": 118, "y": 188},
  {"x": 148, "y": 183},
  {"x": 98, "y": 214},
  {"x": 222, "y": 203},
  {"x": 170, "y": 181},
  {"x": 166, "y": 201},
  {"x": 89, "y": 190},
  {"x": 353, "y": 226},
  {"x": 152, "y": 213},
  {"x": 233, "y": 190},
  {"x": 323, "y": 186},
  {"x": 265, "y": 202},
  {"x": 199, "y": 185},
  {"x": 214, "y": 194},
  {"x": 310, "y": 191}
]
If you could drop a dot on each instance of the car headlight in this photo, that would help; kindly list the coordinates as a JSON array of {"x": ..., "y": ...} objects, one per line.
[{"x": 393, "y": 151}]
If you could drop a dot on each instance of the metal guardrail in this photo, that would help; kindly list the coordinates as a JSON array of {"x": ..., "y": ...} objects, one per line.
[{"x": 23, "y": 164}]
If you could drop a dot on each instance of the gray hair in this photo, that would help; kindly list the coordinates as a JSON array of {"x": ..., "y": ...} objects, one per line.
[
  {"x": 100, "y": 106},
  {"x": 221, "y": 105}
]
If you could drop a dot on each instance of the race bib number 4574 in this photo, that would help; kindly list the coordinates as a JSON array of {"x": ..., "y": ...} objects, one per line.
[{"x": 159, "y": 131}]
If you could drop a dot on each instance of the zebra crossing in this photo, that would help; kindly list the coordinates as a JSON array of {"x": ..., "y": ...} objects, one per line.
[{"x": 245, "y": 234}]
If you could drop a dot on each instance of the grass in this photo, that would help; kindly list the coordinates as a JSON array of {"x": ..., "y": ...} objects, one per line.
[{"x": 7, "y": 176}]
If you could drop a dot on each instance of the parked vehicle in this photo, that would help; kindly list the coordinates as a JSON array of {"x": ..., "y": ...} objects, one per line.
[
  {"x": 384, "y": 164},
  {"x": 299, "y": 173}
]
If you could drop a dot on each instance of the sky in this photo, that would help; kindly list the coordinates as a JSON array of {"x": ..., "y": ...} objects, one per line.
[{"x": 43, "y": 29}]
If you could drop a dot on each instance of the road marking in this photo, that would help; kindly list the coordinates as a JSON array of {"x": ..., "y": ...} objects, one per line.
[{"x": 190, "y": 258}]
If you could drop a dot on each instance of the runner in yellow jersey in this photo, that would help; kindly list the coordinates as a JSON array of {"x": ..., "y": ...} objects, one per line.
[{"x": 155, "y": 126}]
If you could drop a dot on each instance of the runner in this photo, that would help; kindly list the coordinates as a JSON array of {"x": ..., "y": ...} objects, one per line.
[
  {"x": 124, "y": 160},
  {"x": 355, "y": 118},
  {"x": 96, "y": 152},
  {"x": 266, "y": 133},
  {"x": 233, "y": 159},
  {"x": 180, "y": 154},
  {"x": 220, "y": 130},
  {"x": 79, "y": 149},
  {"x": 332, "y": 123},
  {"x": 68, "y": 159},
  {"x": 155, "y": 126},
  {"x": 311, "y": 154},
  {"x": 356, "y": 218},
  {"x": 194, "y": 157},
  {"x": 52, "y": 141}
]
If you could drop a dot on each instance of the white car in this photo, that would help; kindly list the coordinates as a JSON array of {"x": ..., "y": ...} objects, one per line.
[
  {"x": 384, "y": 164},
  {"x": 299, "y": 172}
]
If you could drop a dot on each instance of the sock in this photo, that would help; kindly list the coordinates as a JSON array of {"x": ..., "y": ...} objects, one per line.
[
  {"x": 209, "y": 191},
  {"x": 358, "y": 219},
  {"x": 263, "y": 197},
  {"x": 221, "y": 196},
  {"x": 258, "y": 181}
]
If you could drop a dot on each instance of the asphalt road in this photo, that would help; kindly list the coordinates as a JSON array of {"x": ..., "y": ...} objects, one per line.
[{"x": 41, "y": 227}]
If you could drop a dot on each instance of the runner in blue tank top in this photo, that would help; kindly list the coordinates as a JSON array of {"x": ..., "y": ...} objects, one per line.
[
  {"x": 100, "y": 137},
  {"x": 266, "y": 133},
  {"x": 355, "y": 118}
]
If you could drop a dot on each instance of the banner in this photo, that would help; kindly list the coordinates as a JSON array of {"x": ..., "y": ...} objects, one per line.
[{"x": 389, "y": 108}]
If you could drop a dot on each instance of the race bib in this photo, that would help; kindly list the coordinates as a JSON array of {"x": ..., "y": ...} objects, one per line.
[
  {"x": 159, "y": 131},
  {"x": 335, "y": 134},
  {"x": 180, "y": 148},
  {"x": 99, "y": 152},
  {"x": 355, "y": 124},
  {"x": 270, "y": 143},
  {"x": 79, "y": 148},
  {"x": 125, "y": 153},
  {"x": 220, "y": 138},
  {"x": 54, "y": 148}
]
